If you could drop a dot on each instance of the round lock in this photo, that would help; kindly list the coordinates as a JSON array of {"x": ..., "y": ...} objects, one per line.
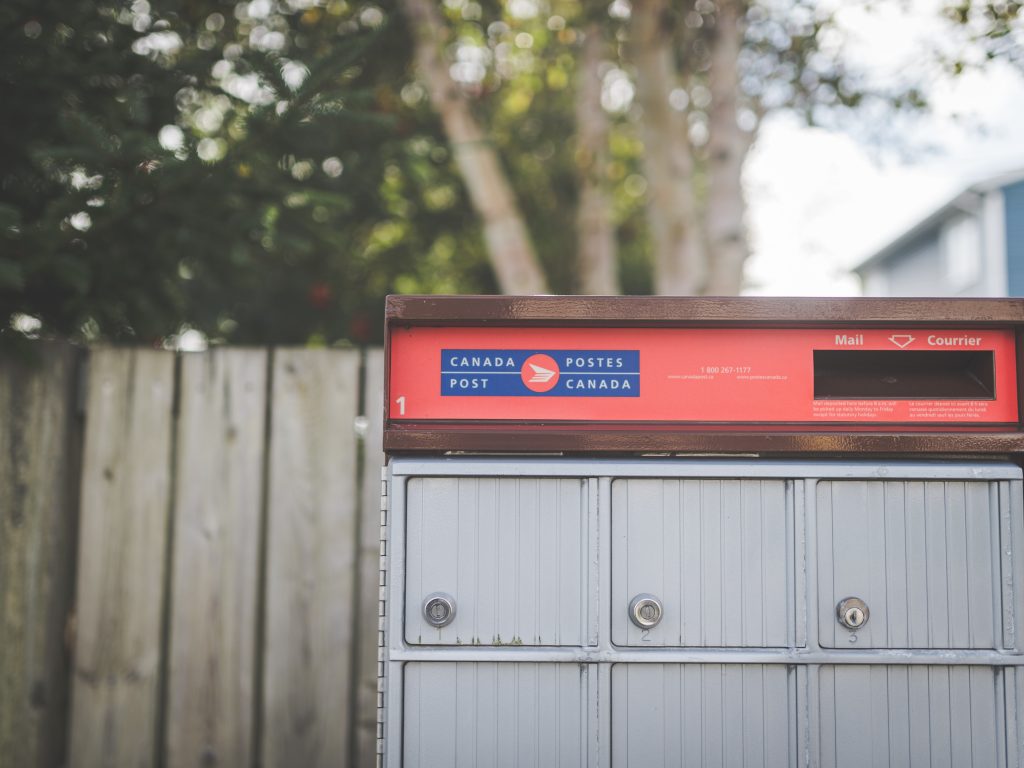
[
  {"x": 645, "y": 611},
  {"x": 852, "y": 613},
  {"x": 439, "y": 609}
]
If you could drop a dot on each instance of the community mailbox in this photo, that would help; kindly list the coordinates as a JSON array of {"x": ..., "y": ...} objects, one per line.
[{"x": 702, "y": 532}]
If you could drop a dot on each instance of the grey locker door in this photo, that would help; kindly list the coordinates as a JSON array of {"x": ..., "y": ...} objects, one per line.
[
  {"x": 512, "y": 552},
  {"x": 716, "y": 553},
  {"x": 481, "y": 714},
  {"x": 704, "y": 716},
  {"x": 890, "y": 716},
  {"x": 923, "y": 555},
  {"x": 1014, "y": 681}
]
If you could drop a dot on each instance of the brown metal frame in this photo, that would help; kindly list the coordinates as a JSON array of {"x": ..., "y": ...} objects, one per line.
[{"x": 685, "y": 312}]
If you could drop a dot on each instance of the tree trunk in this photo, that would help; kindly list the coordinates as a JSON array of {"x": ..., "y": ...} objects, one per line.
[
  {"x": 508, "y": 241},
  {"x": 680, "y": 264},
  {"x": 597, "y": 268},
  {"x": 727, "y": 149}
]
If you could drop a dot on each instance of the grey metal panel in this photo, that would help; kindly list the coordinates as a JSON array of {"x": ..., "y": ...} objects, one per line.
[
  {"x": 691, "y": 655},
  {"x": 910, "y": 716},
  {"x": 557, "y": 466},
  {"x": 924, "y": 556},
  {"x": 713, "y": 551},
  {"x": 602, "y": 757},
  {"x": 513, "y": 552},
  {"x": 814, "y": 706},
  {"x": 1011, "y": 506},
  {"x": 805, "y": 567},
  {"x": 473, "y": 715},
  {"x": 703, "y": 715},
  {"x": 1014, "y": 720}
]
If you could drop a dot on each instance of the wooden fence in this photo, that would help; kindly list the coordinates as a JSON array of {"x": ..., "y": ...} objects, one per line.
[{"x": 189, "y": 557}]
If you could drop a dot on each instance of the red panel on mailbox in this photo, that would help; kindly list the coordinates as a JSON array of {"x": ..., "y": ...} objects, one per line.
[{"x": 703, "y": 375}]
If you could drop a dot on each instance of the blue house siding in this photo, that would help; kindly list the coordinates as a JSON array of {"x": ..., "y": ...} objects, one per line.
[
  {"x": 1013, "y": 196},
  {"x": 954, "y": 251}
]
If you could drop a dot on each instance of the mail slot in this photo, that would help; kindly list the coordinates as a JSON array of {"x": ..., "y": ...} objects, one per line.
[
  {"x": 692, "y": 532},
  {"x": 902, "y": 374}
]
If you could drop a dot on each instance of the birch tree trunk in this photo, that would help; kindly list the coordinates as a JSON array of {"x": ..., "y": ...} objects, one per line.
[
  {"x": 727, "y": 148},
  {"x": 680, "y": 263},
  {"x": 595, "y": 259},
  {"x": 505, "y": 233}
]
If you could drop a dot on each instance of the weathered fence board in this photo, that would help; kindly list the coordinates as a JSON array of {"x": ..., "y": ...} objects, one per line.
[
  {"x": 310, "y": 568},
  {"x": 224, "y": 569},
  {"x": 126, "y": 484},
  {"x": 40, "y": 445},
  {"x": 215, "y": 562},
  {"x": 369, "y": 564}
]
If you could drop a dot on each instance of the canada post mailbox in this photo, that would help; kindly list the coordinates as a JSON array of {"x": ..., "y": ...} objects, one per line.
[{"x": 702, "y": 532}]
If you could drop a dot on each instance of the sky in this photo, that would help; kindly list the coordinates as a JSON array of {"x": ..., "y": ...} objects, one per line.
[{"x": 822, "y": 201}]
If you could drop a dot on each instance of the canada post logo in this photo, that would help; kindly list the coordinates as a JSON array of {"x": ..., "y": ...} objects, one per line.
[
  {"x": 540, "y": 373},
  {"x": 530, "y": 372}
]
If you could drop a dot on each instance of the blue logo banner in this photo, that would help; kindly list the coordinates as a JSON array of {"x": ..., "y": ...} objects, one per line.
[{"x": 540, "y": 372}]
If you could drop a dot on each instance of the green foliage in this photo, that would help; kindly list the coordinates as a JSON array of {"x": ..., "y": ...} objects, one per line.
[
  {"x": 246, "y": 169},
  {"x": 992, "y": 30},
  {"x": 267, "y": 171},
  {"x": 521, "y": 72}
]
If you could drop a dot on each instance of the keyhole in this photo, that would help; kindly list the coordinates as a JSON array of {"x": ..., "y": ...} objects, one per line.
[
  {"x": 645, "y": 611},
  {"x": 852, "y": 613},
  {"x": 439, "y": 609}
]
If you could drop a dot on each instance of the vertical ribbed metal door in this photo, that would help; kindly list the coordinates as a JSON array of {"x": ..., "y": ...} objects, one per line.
[
  {"x": 937, "y": 563},
  {"x": 668, "y": 715},
  {"x": 496, "y": 713},
  {"x": 896, "y": 715},
  {"x": 716, "y": 552},
  {"x": 719, "y": 554},
  {"x": 752, "y": 662},
  {"x": 924, "y": 556},
  {"x": 512, "y": 552}
]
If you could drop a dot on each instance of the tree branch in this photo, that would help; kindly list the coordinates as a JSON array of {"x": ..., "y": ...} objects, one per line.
[
  {"x": 595, "y": 258},
  {"x": 508, "y": 241},
  {"x": 680, "y": 265},
  {"x": 727, "y": 149}
]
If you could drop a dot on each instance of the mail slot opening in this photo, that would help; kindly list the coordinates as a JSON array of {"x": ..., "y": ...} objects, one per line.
[{"x": 903, "y": 375}]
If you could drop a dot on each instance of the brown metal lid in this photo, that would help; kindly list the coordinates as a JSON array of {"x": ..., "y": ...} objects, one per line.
[{"x": 509, "y": 426}]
